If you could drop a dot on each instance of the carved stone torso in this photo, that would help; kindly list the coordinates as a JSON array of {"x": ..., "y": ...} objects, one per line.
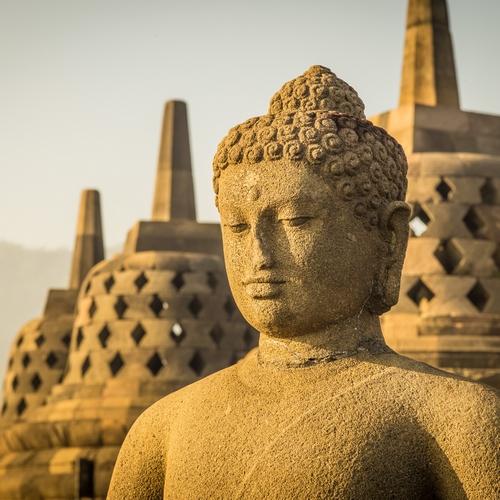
[{"x": 363, "y": 427}]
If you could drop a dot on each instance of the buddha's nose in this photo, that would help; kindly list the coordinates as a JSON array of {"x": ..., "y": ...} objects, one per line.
[{"x": 262, "y": 245}]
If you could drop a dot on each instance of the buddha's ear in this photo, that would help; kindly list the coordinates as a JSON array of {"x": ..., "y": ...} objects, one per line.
[{"x": 394, "y": 228}]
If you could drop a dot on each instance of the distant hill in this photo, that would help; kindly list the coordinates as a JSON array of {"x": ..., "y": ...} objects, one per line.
[{"x": 25, "y": 276}]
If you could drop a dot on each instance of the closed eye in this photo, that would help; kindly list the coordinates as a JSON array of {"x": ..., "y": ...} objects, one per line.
[
  {"x": 295, "y": 221},
  {"x": 237, "y": 228}
]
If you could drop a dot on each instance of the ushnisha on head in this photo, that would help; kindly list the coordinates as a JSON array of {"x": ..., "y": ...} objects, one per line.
[
  {"x": 319, "y": 120},
  {"x": 315, "y": 143}
]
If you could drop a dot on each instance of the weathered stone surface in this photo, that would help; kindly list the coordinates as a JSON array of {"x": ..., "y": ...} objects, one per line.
[
  {"x": 454, "y": 181},
  {"x": 174, "y": 193},
  {"x": 89, "y": 244},
  {"x": 428, "y": 75},
  {"x": 315, "y": 229}
]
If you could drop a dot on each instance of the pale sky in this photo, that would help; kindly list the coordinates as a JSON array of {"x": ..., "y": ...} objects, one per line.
[{"x": 83, "y": 84}]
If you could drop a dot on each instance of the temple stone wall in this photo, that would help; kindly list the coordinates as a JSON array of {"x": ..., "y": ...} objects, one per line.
[
  {"x": 449, "y": 309},
  {"x": 38, "y": 356}
]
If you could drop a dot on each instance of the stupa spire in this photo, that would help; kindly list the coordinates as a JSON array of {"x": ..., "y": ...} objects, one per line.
[
  {"x": 174, "y": 192},
  {"x": 428, "y": 75},
  {"x": 89, "y": 244}
]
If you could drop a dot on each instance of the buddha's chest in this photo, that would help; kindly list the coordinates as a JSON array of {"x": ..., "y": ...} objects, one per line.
[{"x": 327, "y": 449}]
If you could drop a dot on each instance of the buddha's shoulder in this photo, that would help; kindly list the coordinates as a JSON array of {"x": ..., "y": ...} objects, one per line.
[
  {"x": 201, "y": 392},
  {"x": 432, "y": 390}
]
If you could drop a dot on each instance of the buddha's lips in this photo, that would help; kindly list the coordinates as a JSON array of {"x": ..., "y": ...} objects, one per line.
[
  {"x": 259, "y": 281},
  {"x": 263, "y": 288}
]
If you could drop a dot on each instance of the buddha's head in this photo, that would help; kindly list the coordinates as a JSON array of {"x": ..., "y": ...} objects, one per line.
[{"x": 313, "y": 220}]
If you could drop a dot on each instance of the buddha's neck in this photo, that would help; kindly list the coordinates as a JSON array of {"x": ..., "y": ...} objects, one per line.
[{"x": 339, "y": 340}]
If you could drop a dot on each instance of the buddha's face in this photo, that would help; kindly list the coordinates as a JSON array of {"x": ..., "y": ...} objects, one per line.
[{"x": 297, "y": 258}]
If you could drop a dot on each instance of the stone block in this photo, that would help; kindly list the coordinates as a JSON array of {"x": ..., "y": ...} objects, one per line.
[
  {"x": 423, "y": 189},
  {"x": 446, "y": 220},
  {"x": 475, "y": 257},
  {"x": 420, "y": 258},
  {"x": 450, "y": 295},
  {"x": 483, "y": 124},
  {"x": 464, "y": 190},
  {"x": 486, "y": 220},
  {"x": 442, "y": 118}
]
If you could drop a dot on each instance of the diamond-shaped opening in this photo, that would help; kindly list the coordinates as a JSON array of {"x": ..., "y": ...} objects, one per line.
[
  {"x": 157, "y": 305},
  {"x": 141, "y": 281},
  {"x": 92, "y": 308},
  {"x": 448, "y": 255},
  {"x": 211, "y": 280},
  {"x": 40, "y": 340},
  {"x": 178, "y": 281},
  {"x": 109, "y": 283},
  {"x": 137, "y": 333},
  {"x": 248, "y": 337},
  {"x": 79, "y": 337},
  {"x": 66, "y": 339},
  {"x": 87, "y": 287},
  {"x": 51, "y": 359},
  {"x": 26, "y": 359},
  {"x": 11, "y": 362},
  {"x": 444, "y": 190},
  {"x": 36, "y": 381},
  {"x": 116, "y": 364},
  {"x": 19, "y": 341},
  {"x": 15, "y": 382},
  {"x": 21, "y": 407},
  {"x": 474, "y": 223},
  {"x": 419, "y": 221},
  {"x": 216, "y": 334},
  {"x": 488, "y": 192},
  {"x": 155, "y": 364},
  {"x": 496, "y": 257},
  {"x": 197, "y": 363},
  {"x": 85, "y": 365},
  {"x": 419, "y": 292},
  {"x": 177, "y": 333},
  {"x": 478, "y": 296},
  {"x": 120, "y": 306},
  {"x": 104, "y": 335},
  {"x": 229, "y": 307},
  {"x": 195, "y": 306},
  {"x": 4, "y": 407}
]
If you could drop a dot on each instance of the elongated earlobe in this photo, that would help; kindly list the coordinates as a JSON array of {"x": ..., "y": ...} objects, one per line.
[{"x": 395, "y": 230}]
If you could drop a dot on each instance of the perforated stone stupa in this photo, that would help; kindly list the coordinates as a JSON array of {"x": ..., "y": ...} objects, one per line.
[
  {"x": 40, "y": 349},
  {"x": 449, "y": 309},
  {"x": 149, "y": 321}
]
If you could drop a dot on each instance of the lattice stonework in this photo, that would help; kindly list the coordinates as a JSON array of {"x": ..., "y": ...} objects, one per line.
[
  {"x": 449, "y": 308},
  {"x": 146, "y": 324},
  {"x": 36, "y": 363},
  {"x": 169, "y": 320}
]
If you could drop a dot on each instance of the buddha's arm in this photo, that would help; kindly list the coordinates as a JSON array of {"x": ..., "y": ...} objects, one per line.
[
  {"x": 139, "y": 471},
  {"x": 472, "y": 442}
]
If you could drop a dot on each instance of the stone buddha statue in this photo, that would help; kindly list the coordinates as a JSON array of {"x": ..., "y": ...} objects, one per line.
[{"x": 314, "y": 224}]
